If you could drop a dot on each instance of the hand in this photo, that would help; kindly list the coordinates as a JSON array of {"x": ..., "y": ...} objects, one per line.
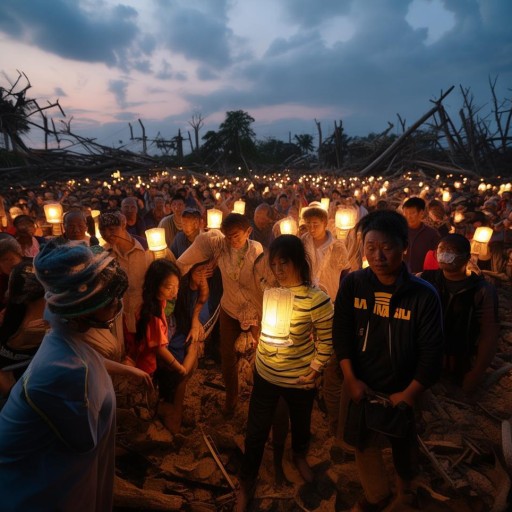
[
  {"x": 308, "y": 381},
  {"x": 196, "y": 332},
  {"x": 356, "y": 389},
  {"x": 399, "y": 397},
  {"x": 140, "y": 375}
]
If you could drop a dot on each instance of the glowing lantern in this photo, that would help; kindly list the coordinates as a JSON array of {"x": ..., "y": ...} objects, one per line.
[
  {"x": 214, "y": 218},
  {"x": 288, "y": 226},
  {"x": 239, "y": 207},
  {"x": 156, "y": 242},
  {"x": 479, "y": 249},
  {"x": 458, "y": 217},
  {"x": 446, "y": 196},
  {"x": 325, "y": 201},
  {"x": 346, "y": 217},
  {"x": 277, "y": 315},
  {"x": 53, "y": 213}
]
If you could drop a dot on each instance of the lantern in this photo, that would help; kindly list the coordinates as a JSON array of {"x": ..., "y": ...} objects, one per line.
[
  {"x": 214, "y": 218},
  {"x": 479, "y": 248},
  {"x": 458, "y": 217},
  {"x": 53, "y": 213},
  {"x": 446, "y": 196},
  {"x": 325, "y": 201},
  {"x": 345, "y": 220},
  {"x": 239, "y": 207},
  {"x": 156, "y": 242},
  {"x": 288, "y": 226},
  {"x": 277, "y": 315}
]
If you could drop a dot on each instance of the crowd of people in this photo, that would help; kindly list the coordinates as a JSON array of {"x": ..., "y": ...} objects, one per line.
[{"x": 382, "y": 308}]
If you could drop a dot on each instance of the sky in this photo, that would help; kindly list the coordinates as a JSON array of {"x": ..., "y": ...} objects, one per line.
[{"x": 285, "y": 62}]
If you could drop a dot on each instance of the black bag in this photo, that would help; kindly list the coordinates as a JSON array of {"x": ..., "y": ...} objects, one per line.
[{"x": 382, "y": 417}]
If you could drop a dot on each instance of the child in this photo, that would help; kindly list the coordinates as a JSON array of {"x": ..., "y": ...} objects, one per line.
[{"x": 161, "y": 346}]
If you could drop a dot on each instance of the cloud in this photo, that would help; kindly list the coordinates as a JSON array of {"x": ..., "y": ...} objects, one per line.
[
  {"x": 119, "y": 89},
  {"x": 64, "y": 28},
  {"x": 59, "y": 92}
]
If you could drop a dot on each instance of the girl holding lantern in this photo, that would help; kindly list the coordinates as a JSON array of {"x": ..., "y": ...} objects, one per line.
[{"x": 287, "y": 366}]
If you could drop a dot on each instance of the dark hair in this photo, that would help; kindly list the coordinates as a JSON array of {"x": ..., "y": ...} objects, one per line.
[
  {"x": 156, "y": 273},
  {"x": 315, "y": 211},
  {"x": 177, "y": 197},
  {"x": 291, "y": 248},
  {"x": 415, "y": 202},
  {"x": 389, "y": 222},
  {"x": 459, "y": 242},
  {"x": 235, "y": 220},
  {"x": 22, "y": 218}
]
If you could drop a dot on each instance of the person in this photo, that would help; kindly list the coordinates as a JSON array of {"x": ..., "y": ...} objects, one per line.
[
  {"x": 388, "y": 338},
  {"x": 75, "y": 228},
  {"x": 422, "y": 238},
  {"x": 10, "y": 255},
  {"x": 172, "y": 223},
  {"x": 242, "y": 268},
  {"x": 262, "y": 223},
  {"x": 164, "y": 347},
  {"x": 191, "y": 221},
  {"x": 155, "y": 214},
  {"x": 470, "y": 312},
  {"x": 328, "y": 256},
  {"x": 25, "y": 230},
  {"x": 288, "y": 372},
  {"x": 133, "y": 258},
  {"x": 57, "y": 429},
  {"x": 134, "y": 223}
]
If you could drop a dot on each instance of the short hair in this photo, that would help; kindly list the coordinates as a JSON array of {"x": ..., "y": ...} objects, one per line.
[
  {"x": 192, "y": 213},
  {"x": 177, "y": 197},
  {"x": 8, "y": 245},
  {"x": 235, "y": 220},
  {"x": 459, "y": 242},
  {"x": 291, "y": 248},
  {"x": 415, "y": 202},
  {"x": 74, "y": 213},
  {"x": 388, "y": 222},
  {"x": 314, "y": 211},
  {"x": 22, "y": 218}
]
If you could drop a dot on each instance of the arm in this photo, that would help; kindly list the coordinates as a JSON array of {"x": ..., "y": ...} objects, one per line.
[
  {"x": 487, "y": 312},
  {"x": 356, "y": 388},
  {"x": 170, "y": 361},
  {"x": 114, "y": 368},
  {"x": 207, "y": 246},
  {"x": 199, "y": 280}
]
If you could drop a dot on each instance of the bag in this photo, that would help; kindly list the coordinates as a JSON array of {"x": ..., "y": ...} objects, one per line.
[{"x": 391, "y": 421}]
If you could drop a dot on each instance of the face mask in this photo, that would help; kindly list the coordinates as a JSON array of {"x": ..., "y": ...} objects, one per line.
[
  {"x": 446, "y": 257},
  {"x": 169, "y": 307}
]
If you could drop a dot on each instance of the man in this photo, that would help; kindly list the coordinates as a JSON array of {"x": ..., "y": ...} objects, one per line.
[
  {"x": 134, "y": 224},
  {"x": 191, "y": 221},
  {"x": 262, "y": 223},
  {"x": 155, "y": 214},
  {"x": 470, "y": 311},
  {"x": 172, "y": 223},
  {"x": 422, "y": 238},
  {"x": 132, "y": 258},
  {"x": 75, "y": 228},
  {"x": 387, "y": 334}
]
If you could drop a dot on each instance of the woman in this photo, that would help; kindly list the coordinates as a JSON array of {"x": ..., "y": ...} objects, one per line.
[
  {"x": 288, "y": 372},
  {"x": 58, "y": 426}
]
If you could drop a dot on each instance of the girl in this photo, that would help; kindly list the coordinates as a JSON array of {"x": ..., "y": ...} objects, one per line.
[
  {"x": 162, "y": 348},
  {"x": 288, "y": 372}
]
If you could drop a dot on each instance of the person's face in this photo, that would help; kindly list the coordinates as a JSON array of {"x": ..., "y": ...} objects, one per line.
[
  {"x": 177, "y": 207},
  {"x": 129, "y": 209},
  {"x": 413, "y": 217},
  {"x": 8, "y": 261},
  {"x": 168, "y": 289},
  {"x": 284, "y": 203},
  {"x": 112, "y": 234},
  {"x": 316, "y": 227},
  {"x": 237, "y": 237},
  {"x": 25, "y": 227},
  {"x": 285, "y": 272},
  {"x": 384, "y": 254},
  {"x": 449, "y": 259},
  {"x": 262, "y": 219},
  {"x": 75, "y": 227},
  {"x": 189, "y": 226},
  {"x": 159, "y": 203}
]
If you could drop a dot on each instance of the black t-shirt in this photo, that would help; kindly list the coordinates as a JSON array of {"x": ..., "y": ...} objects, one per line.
[{"x": 375, "y": 368}]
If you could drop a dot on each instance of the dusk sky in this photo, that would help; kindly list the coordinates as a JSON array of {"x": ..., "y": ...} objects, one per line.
[{"x": 285, "y": 62}]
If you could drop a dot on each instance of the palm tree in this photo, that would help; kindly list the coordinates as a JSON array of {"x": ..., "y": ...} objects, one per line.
[
  {"x": 304, "y": 142},
  {"x": 237, "y": 136}
]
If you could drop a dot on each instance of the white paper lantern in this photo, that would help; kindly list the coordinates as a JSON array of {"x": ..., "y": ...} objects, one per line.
[
  {"x": 239, "y": 207},
  {"x": 288, "y": 226},
  {"x": 53, "y": 213},
  {"x": 277, "y": 315},
  {"x": 214, "y": 218}
]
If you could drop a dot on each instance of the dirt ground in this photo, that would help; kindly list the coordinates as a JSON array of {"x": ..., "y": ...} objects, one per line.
[{"x": 463, "y": 467}]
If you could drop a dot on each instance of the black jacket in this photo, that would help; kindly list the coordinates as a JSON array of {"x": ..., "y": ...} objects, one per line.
[{"x": 414, "y": 326}]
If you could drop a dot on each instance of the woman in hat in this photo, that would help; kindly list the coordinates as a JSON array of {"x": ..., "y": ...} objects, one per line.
[{"x": 57, "y": 428}]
